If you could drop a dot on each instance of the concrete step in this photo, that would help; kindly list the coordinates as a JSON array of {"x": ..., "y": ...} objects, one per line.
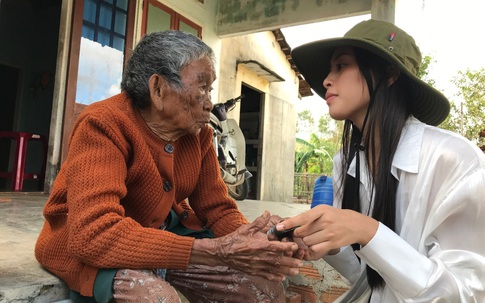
[{"x": 22, "y": 279}]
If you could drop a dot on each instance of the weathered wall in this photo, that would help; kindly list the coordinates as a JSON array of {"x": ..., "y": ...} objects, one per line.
[
  {"x": 235, "y": 17},
  {"x": 279, "y": 111},
  {"x": 278, "y": 150}
]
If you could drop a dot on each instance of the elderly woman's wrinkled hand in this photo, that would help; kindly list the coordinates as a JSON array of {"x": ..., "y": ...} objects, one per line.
[{"x": 248, "y": 249}]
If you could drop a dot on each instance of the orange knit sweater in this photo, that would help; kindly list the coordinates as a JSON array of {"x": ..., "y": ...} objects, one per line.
[{"x": 115, "y": 189}]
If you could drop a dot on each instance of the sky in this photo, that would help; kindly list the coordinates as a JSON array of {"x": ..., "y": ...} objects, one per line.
[
  {"x": 449, "y": 31},
  {"x": 99, "y": 73}
]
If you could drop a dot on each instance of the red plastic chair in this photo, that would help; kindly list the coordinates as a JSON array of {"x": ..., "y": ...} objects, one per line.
[{"x": 18, "y": 174}]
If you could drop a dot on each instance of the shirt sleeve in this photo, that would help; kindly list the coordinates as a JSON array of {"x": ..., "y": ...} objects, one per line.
[
  {"x": 346, "y": 263},
  {"x": 450, "y": 261}
]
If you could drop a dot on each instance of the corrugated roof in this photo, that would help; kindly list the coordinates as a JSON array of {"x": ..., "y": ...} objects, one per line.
[{"x": 304, "y": 89}]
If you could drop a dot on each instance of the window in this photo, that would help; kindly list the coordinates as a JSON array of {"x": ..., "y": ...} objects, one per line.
[
  {"x": 104, "y": 21},
  {"x": 102, "y": 47},
  {"x": 157, "y": 16}
]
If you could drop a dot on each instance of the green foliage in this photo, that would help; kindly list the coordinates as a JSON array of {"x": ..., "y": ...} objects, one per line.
[
  {"x": 305, "y": 121},
  {"x": 423, "y": 72},
  {"x": 304, "y": 151},
  {"x": 315, "y": 156},
  {"x": 468, "y": 117}
]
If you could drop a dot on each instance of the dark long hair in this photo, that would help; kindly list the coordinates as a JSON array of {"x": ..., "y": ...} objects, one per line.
[{"x": 386, "y": 116}]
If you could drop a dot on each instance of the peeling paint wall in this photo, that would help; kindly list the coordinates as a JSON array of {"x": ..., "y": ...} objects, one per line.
[
  {"x": 279, "y": 110},
  {"x": 278, "y": 150},
  {"x": 248, "y": 16}
]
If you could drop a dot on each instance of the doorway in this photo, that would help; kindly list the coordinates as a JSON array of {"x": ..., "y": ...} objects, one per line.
[
  {"x": 9, "y": 77},
  {"x": 29, "y": 30},
  {"x": 251, "y": 123}
]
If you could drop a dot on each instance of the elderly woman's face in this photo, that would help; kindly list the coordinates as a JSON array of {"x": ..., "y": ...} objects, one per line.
[{"x": 189, "y": 109}]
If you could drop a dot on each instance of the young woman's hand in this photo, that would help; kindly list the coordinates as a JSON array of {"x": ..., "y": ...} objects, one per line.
[
  {"x": 324, "y": 229},
  {"x": 273, "y": 220},
  {"x": 289, "y": 237},
  {"x": 249, "y": 250}
]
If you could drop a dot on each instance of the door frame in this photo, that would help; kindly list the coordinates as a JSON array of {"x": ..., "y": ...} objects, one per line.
[
  {"x": 71, "y": 111},
  {"x": 175, "y": 18}
]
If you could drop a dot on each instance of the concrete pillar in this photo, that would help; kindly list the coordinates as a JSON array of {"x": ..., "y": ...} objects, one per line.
[{"x": 384, "y": 10}]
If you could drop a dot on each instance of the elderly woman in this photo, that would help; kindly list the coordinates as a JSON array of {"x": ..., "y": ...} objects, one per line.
[{"x": 139, "y": 207}]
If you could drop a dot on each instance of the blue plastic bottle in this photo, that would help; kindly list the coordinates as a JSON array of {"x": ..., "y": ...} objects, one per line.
[{"x": 323, "y": 191}]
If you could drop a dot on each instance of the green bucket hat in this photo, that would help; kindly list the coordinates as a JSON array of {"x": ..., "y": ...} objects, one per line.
[{"x": 387, "y": 41}]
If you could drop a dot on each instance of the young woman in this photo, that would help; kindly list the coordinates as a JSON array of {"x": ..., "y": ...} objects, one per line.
[{"x": 409, "y": 197}]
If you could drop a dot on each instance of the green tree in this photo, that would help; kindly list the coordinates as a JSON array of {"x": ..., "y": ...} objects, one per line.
[
  {"x": 423, "y": 72},
  {"x": 316, "y": 155},
  {"x": 312, "y": 157},
  {"x": 468, "y": 117},
  {"x": 305, "y": 122},
  {"x": 304, "y": 151},
  {"x": 323, "y": 126}
]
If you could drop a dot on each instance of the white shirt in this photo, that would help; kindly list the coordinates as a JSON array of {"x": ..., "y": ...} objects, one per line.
[{"x": 438, "y": 251}]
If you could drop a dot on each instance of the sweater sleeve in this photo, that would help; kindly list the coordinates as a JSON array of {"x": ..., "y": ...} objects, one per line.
[
  {"x": 210, "y": 198},
  {"x": 99, "y": 232}
]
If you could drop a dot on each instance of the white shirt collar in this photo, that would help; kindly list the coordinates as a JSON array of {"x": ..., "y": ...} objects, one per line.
[
  {"x": 409, "y": 147},
  {"x": 407, "y": 153}
]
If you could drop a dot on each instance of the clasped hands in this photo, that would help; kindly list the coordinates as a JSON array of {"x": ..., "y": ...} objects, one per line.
[
  {"x": 320, "y": 231},
  {"x": 324, "y": 229}
]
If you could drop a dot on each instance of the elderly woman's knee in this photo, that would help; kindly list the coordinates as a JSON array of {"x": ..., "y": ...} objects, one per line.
[{"x": 132, "y": 285}]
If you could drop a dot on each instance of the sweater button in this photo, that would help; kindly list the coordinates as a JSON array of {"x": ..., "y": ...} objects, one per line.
[
  {"x": 167, "y": 186},
  {"x": 169, "y": 148},
  {"x": 184, "y": 215}
]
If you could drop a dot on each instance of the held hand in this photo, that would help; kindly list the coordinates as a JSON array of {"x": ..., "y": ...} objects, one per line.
[
  {"x": 324, "y": 229},
  {"x": 273, "y": 220},
  {"x": 249, "y": 250},
  {"x": 287, "y": 236},
  {"x": 302, "y": 248}
]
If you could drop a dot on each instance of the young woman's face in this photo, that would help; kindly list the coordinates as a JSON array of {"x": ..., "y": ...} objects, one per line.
[{"x": 347, "y": 93}]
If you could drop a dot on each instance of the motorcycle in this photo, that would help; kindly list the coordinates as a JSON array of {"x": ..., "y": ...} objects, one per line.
[{"x": 230, "y": 146}]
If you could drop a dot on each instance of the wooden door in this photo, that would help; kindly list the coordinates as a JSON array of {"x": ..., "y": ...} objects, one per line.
[{"x": 102, "y": 31}]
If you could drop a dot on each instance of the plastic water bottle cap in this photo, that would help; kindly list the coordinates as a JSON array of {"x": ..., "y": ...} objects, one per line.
[{"x": 323, "y": 191}]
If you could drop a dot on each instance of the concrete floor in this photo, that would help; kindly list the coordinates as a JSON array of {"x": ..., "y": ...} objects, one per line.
[{"x": 22, "y": 279}]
